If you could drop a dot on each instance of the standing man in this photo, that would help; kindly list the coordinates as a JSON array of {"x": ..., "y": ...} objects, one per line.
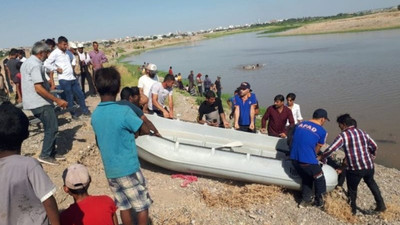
[
  {"x": 360, "y": 151},
  {"x": 59, "y": 61},
  {"x": 84, "y": 63},
  {"x": 39, "y": 100},
  {"x": 97, "y": 57},
  {"x": 218, "y": 86},
  {"x": 170, "y": 71},
  {"x": 191, "y": 81},
  {"x": 199, "y": 84},
  {"x": 245, "y": 103},
  {"x": 213, "y": 110},
  {"x": 9, "y": 85},
  {"x": 277, "y": 115},
  {"x": 11, "y": 68},
  {"x": 308, "y": 138},
  {"x": 145, "y": 82},
  {"x": 207, "y": 84},
  {"x": 158, "y": 94}
]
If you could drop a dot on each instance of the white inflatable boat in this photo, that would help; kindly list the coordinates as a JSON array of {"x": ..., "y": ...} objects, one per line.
[{"x": 225, "y": 153}]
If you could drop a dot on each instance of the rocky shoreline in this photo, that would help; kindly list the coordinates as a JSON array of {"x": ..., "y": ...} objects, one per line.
[{"x": 211, "y": 200}]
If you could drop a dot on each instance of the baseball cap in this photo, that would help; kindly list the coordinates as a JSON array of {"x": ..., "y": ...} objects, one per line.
[
  {"x": 80, "y": 45},
  {"x": 320, "y": 113},
  {"x": 76, "y": 176},
  {"x": 151, "y": 66},
  {"x": 72, "y": 45},
  {"x": 244, "y": 86}
]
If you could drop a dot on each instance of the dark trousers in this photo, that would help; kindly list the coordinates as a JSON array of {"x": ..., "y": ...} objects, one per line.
[
  {"x": 246, "y": 129},
  {"x": 353, "y": 180},
  {"x": 311, "y": 175},
  {"x": 10, "y": 87},
  {"x": 200, "y": 88},
  {"x": 86, "y": 75},
  {"x": 48, "y": 117},
  {"x": 71, "y": 88}
]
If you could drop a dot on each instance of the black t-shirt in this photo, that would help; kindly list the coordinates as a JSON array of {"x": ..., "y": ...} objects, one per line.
[
  {"x": 212, "y": 111},
  {"x": 12, "y": 66}
]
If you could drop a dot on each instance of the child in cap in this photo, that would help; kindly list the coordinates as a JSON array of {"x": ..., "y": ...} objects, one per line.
[
  {"x": 86, "y": 209},
  {"x": 26, "y": 190},
  {"x": 115, "y": 126}
]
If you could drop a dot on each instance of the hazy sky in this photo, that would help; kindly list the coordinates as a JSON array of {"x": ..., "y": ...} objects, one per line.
[{"x": 25, "y": 21}]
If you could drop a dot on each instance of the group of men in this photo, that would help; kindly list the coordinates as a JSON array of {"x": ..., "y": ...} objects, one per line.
[
  {"x": 54, "y": 66},
  {"x": 206, "y": 83}
]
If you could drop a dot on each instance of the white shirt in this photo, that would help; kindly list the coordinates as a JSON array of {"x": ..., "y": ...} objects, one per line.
[
  {"x": 296, "y": 114},
  {"x": 145, "y": 82},
  {"x": 60, "y": 59},
  {"x": 162, "y": 93},
  {"x": 84, "y": 57}
]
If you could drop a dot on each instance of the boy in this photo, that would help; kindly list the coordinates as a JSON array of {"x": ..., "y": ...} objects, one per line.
[
  {"x": 115, "y": 126},
  {"x": 26, "y": 190},
  {"x": 86, "y": 209}
]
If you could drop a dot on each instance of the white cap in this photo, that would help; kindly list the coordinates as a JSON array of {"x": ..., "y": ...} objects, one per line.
[
  {"x": 71, "y": 44},
  {"x": 76, "y": 176},
  {"x": 80, "y": 45},
  {"x": 152, "y": 67}
]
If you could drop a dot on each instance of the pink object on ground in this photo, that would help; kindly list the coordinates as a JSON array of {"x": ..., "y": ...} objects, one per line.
[{"x": 187, "y": 179}]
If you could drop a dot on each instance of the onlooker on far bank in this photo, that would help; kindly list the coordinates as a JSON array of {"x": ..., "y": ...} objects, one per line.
[
  {"x": 360, "y": 150},
  {"x": 277, "y": 115},
  {"x": 212, "y": 109},
  {"x": 290, "y": 98}
]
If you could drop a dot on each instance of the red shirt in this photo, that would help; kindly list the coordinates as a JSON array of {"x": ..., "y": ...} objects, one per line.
[
  {"x": 92, "y": 210},
  {"x": 277, "y": 120}
]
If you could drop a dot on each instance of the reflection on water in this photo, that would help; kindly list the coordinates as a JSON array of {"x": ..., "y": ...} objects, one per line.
[{"x": 356, "y": 73}]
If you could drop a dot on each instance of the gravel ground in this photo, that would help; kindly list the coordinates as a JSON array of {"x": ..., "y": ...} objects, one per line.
[{"x": 211, "y": 200}]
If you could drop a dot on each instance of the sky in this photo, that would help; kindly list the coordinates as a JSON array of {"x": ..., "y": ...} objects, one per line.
[{"x": 24, "y": 22}]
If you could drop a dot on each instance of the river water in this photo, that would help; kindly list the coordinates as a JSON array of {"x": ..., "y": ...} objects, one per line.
[{"x": 356, "y": 73}]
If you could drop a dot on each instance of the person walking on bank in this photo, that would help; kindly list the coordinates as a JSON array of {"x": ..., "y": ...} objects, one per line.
[
  {"x": 39, "y": 100},
  {"x": 308, "y": 138},
  {"x": 360, "y": 150},
  {"x": 84, "y": 63}
]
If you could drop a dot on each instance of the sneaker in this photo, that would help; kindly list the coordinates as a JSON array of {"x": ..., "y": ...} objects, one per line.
[
  {"x": 305, "y": 204},
  {"x": 59, "y": 157},
  {"x": 88, "y": 113},
  {"x": 48, "y": 160}
]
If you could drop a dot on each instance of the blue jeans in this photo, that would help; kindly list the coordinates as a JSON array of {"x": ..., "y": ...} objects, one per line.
[
  {"x": 71, "y": 88},
  {"x": 48, "y": 117}
]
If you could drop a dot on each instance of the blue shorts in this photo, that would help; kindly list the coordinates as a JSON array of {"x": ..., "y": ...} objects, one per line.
[{"x": 130, "y": 192}]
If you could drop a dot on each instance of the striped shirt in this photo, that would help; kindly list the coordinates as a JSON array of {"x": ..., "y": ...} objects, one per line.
[{"x": 358, "y": 147}]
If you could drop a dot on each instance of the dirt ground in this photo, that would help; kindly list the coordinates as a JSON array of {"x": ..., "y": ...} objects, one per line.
[
  {"x": 369, "y": 22},
  {"x": 209, "y": 200}
]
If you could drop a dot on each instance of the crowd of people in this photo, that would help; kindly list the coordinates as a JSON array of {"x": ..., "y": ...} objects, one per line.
[{"x": 116, "y": 124}]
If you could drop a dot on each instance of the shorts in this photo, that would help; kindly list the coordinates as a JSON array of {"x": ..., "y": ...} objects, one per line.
[{"x": 130, "y": 192}]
